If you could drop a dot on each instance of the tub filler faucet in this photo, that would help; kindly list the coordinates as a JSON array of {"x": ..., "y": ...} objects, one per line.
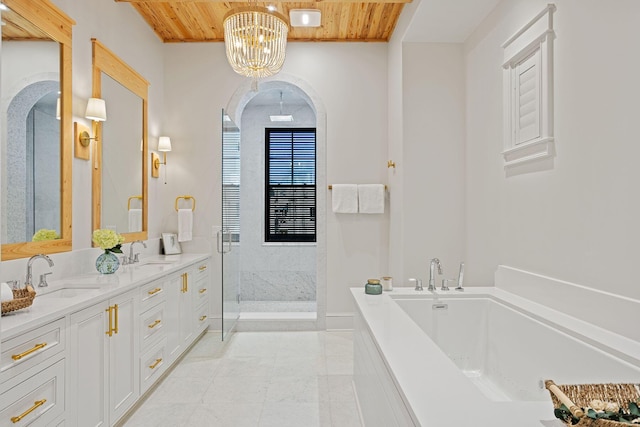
[{"x": 432, "y": 272}]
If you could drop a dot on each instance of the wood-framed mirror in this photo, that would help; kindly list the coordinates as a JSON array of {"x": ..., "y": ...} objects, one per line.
[
  {"x": 36, "y": 129},
  {"x": 119, "y": 190}
]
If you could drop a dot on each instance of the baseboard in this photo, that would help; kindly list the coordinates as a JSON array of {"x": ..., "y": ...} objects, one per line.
[{"x": 339, "y": 321}]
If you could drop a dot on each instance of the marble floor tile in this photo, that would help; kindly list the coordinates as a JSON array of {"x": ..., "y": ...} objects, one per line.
[
  {"x": 293, "y": 389},
  {"x": 181, "y": 390},
  {"x": 345, "y": 414},
  {"x": 237, "y": 390},
  {"x": 258, "y": 379},
  {"x": 340, "y": 388},
  {"x": 246, "y": 366},
  {"x": 339, "y": 365},
  {"x": 156, "y": 414},
  {"x": 299, "y": 366},
  {"x": 290, "y": 414},
  {"x": 226, "y": 415}
]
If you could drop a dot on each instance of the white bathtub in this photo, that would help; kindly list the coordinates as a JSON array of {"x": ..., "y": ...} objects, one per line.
[{"x": 438, "y": 359}]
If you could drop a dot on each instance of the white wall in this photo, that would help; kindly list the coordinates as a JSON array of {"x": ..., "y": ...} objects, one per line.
[
  {"x": 433, "y": 158},
  {"x": 576, "y": 221}
]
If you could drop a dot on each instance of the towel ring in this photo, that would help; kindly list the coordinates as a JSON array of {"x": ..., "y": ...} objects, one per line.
[
  {"x": 186, "y": 197},
  {"x": 129, "y": 201}
]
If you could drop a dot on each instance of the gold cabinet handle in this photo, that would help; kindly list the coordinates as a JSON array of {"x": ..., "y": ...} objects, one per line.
[
  {"x": 115, "y": 307},
  {"x": 155, "y": 291},
  {"x": 202, "y": 267},
  {"x": 203, "y": 290},
  {"x": 154, "y": 324},
  {"x": 156, "y": 363},
  {"x": 110, "y": 331},
  {"x": 186, "y": 282},
  {"x": 28, "y": 352},
  {"x": 202, "y": 318},
  {"x": 35, "y": 406}
]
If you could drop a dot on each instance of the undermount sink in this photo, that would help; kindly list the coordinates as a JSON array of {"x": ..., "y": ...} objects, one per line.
[
  {"x": 157, "y": 261},
  {"x": 70, "y": 291}
]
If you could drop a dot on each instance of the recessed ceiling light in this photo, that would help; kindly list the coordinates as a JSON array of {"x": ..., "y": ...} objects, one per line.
[
  {"x": 305, "y": 17},
  {"x": 271, "y": 8},
  {"x": 281, "y": 118}
]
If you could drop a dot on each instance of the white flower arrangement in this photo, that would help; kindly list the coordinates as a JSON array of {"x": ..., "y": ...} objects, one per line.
[
  {"x": 45, "y": 234},
  {"x": 108, "y": 240}
]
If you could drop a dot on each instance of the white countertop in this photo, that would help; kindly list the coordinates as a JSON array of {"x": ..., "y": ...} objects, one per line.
[
  {"x": 438, "y": 393},
  {"x": 46, "y": 308}
]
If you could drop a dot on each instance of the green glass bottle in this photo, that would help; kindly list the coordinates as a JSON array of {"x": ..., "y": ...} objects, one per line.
[{"x": 373, "y": 287}]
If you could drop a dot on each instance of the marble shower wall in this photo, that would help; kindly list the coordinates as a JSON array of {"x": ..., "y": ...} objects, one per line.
[{"x": 270, "y": 271}]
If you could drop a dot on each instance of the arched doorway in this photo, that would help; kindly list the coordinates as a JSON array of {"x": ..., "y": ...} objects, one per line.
[{"x": 290, "y": 287}]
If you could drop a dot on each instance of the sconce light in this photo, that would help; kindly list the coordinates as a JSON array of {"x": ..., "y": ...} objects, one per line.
[
  {"x": 58, "y": 108},
  {"x": 164, "y": 146},
  {"x": 96, "y": 111}
]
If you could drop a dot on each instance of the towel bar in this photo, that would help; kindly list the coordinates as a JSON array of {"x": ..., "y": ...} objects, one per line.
[
  {"x": 330, "y": 187},
  {"x": 129, "y": 201},
  {"x": 186, "y": 197}
]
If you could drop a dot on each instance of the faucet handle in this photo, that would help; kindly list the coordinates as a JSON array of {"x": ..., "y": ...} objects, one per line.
[
  {"x": 135, "y": 258},
  {"x": 14, "y": 284},
  {"x": 43, "y": 280},
  {"x": 418, "y": 283},
  {"x": 460, "y": 277},
  {"x": 124, "y": 260}
]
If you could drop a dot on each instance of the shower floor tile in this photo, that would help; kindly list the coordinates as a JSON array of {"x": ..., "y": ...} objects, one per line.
[{"x": 247, "y": 383}]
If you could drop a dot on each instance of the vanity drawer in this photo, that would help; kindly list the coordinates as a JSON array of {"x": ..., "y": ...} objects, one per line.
[
  {"x": 201, "y": 271},
  {"x": 152, "y": 364},
  {"x": 202, "y": 317},
  {"x": 37, "y": 401},
  {"x": 27, "y": 350},
  {"x": 151, "y": 294},
  {"x": 152, "y": 325},
  {"x": 202, "y": 290}
]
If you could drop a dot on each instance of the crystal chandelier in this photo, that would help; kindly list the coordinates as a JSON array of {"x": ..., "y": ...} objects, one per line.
[{"x": 255, "y": 40}]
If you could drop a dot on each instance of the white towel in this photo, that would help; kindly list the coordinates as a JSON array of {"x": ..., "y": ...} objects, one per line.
[
  {"x": 344, "y": 198},
  {"x": 135, "y": 220},
  {"x": 371, "y": 198},
  {"x": 6, "y": 294},
  {"x": 185, "y": 225}
]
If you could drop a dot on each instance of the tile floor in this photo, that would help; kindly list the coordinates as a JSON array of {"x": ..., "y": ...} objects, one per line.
[{"x": 259, "y": 379}]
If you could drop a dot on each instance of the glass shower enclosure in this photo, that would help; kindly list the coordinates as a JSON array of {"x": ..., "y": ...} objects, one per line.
[{"x": 228, "y": 238}]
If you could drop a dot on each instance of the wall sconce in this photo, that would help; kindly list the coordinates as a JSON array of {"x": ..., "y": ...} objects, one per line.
[
  {"x": 97, "y": 112},
  {"x": 164, "y": 146}
]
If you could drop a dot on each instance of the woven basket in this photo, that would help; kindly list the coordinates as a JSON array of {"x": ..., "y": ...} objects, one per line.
[
  {"x": 22, "y": 298},
  {"x": 576, "y": 397}
]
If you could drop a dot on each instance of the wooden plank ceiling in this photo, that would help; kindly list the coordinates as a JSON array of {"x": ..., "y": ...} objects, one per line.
[
  {"x": 15, "y": 27},
  {"x": 342, "y": 20}
]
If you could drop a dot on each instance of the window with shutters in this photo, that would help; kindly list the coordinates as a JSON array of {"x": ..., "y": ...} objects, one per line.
[
  {"x": 231, "y": 182},
  {"x": 528, "y": 91},
  {"x": 290, "y": 185}
]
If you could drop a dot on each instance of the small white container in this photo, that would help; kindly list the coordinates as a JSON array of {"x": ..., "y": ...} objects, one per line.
[{"x": 387, "y": 283}]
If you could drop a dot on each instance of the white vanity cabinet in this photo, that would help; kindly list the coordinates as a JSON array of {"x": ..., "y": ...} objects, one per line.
[
  {"x": 88, "y": 362},
  {"x": 104, "y": 349},
  {"x": 32, "y": 376}
]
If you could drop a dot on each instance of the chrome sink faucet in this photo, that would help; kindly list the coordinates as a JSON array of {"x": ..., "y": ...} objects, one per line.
[
  {"x": 134, "y": 258},
  {"x": 432, "y": 272},
  {"x": 29, "y": 277}
]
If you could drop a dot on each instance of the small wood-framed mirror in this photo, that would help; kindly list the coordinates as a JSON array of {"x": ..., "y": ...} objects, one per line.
[
  {"x": 119, "y": 165},
  {"x": 36, "y": 91}
]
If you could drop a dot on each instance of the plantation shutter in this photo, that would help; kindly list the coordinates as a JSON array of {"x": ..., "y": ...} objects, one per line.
[{"x": 290, "y": 190}]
